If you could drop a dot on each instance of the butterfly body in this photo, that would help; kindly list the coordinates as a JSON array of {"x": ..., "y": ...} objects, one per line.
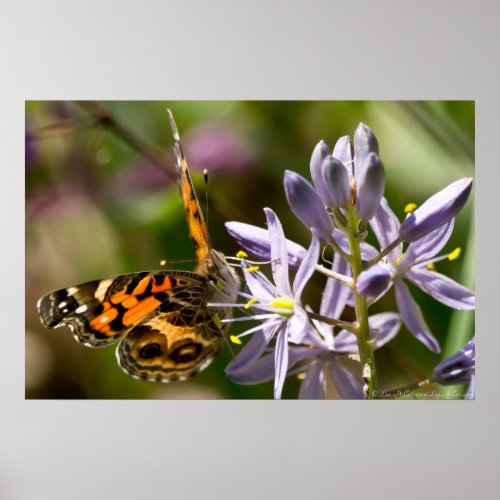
[{"x": 166, "y": 329}]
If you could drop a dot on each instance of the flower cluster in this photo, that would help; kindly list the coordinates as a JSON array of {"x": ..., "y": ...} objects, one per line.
[{"x": 344, "y": 202}]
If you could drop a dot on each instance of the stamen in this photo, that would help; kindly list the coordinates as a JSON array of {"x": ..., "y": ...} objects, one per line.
[
  {"x": 455, "y": 254},
  {"x": 301, "y": 376},
  {"x": 242, "y": 255},
  {"x": 234, "y": 339},
  {"x": 252, "y": 269},
  {"x": 250, "y": 303},
  {"x": 410, "y": 207},
  {"x": 431, "y": 266}
]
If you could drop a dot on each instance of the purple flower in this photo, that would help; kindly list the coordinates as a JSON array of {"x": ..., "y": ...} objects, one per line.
[
  {"x": 458, "y": 368},
  {"x": 285, "y": 318},
  {"x": 334, "y": 174},
  {"x": 436, "y": 211},
  {"x": 256, "y": 241},
  {"x": 30, "y": 152},
  {"x": 412, "y": 265}
]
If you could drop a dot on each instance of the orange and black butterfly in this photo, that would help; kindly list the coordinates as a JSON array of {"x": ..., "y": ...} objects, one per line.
[{"x": 165, "y": 329}]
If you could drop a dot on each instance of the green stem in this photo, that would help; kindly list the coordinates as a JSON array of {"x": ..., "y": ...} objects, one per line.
[{"x": 365, "y": 345}]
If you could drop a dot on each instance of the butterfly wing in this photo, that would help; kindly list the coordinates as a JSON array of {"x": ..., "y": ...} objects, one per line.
[
  {"x": 194, "y": 216},
  {"x": 102, "y": 311}
]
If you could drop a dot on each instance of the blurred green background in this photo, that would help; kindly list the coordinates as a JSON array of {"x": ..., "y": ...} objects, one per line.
[{"x": 99, "y": 203}]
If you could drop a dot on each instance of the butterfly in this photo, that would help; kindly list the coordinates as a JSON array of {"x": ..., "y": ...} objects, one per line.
[{"x": 165, "y": 328}]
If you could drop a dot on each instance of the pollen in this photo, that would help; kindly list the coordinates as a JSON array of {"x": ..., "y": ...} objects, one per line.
[
  {"x": 283, "y": 303},
  {"x": 455, "y": 254},
  {"x": 219, "y": 285},
  {"x": 301, "y": 376},
  {"x": 217, "y": 321},
  {"x": 410, "y": 208},
  {"x": 250, "y": 303},
  {"x": 431, "y": 266},
  {"x": 242, "y": 255},
  {"x": 252, "y": 269},
  {"x": 235, "y": 340}
]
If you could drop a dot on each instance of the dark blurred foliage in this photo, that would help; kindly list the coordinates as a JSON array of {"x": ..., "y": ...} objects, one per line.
[{"x": 98, "y": 205}]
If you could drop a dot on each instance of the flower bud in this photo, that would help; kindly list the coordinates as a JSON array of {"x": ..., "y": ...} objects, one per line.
[
  {"x": 336, "y": 181},
  {"x": 342, "y": 152},
  {"x": 370, "y": 187},
  {"x": 321, "y": 151},
  {"x": 436, "y": 211},
  {"x": 307, "y": 205},
  {"x": 364, "y": 144},
  {"x": 373, "y": 281},
  {"x": 458, "y": 368}
]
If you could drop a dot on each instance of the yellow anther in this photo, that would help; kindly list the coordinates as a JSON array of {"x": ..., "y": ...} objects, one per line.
[
  {"x": 455, "y": 254},
  {"x": 410, "y": 208},
  {"x": 431, "y": 266},
  {"x": 250, "y": 303},
  {"x": 217, "y": 321},
  {"x": 301, "y": 376},
  {"x": 219, "y": 285},
  {"x": 283, "y": 303},
  {"x": 234, "y": 339},
  {"x": 252, "y": 269},
  {"x": 242, "y": 255}
]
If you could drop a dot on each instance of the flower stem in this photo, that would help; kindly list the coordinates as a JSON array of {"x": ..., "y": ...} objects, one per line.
[{"x": 365, "y": 345}]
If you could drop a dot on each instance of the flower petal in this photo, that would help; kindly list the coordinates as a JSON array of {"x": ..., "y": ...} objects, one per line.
[
  {"x": 314, "y": 384},
  {"x": 385, "y": 225},
  {"x": 343, "y": 152},
  {"x": 263, "y": 369},
  {"x": 255, "y": 240},
  {"x": 336, "y": 182},
  {"x": 279, "y": 253},
  {"x": 347, "y": 378},
  {"x": 321, "y": 151},
  {"x": 307, "y": 266},
  {"x": 252, "y": 350},
  {"x": 412, "y": 317},
  {"x": 281, "y": 361},
  {"x": 299, "y": 325},
  {"x": 307, "y": 205},
  {"x": 427, "y": 246},
  {"x": 443, "y": 289},
  {"x": 383, "y": 328},
  {"x": 370, "y": 187},
  {"x": 260, "y": 287},
  {"x": 364, "y": 144},
  {"x": 436, "y": 211},
  {"x": 374, "y": 282}
]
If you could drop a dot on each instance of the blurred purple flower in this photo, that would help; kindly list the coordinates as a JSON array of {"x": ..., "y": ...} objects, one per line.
[
  {"x": 219, "y": 148},
  {"x": 30, "y": 150},
  {"x": 139, "y": 176},
  {"x": 458, "y": 368}
]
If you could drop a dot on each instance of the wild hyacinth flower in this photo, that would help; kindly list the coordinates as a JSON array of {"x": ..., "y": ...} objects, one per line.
[
  {"x": 339, "y": 175},
  {"x": 347, "y": 194},
  {"x": 284, "y": 316},
  {"x": 412, "y": 265}
]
